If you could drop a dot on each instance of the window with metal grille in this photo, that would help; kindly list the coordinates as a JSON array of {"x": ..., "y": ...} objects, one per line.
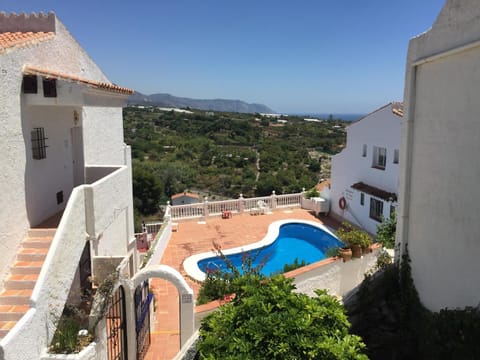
[
  {"x": 29, "y": 84},
  {"x": 362, "y": 199},
  {"x": 49, "y": 87},
  {"x": 376, "y": 209},
  {"x": 38, "y": 143}
]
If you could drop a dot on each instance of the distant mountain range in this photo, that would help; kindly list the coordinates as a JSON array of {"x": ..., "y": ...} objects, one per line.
[{"x": 167, "y": 100}]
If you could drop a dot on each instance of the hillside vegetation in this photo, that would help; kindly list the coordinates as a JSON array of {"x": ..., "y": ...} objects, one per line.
[{"x": 225, "y": 154}]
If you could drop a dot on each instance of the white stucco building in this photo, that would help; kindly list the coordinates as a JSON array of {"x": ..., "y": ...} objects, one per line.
[
  {"x": 63, "y": 155},
  {"x": 185, "y": 198},
  {"x": 439, "y": 197},
  {"x": 364, "y": 177}
]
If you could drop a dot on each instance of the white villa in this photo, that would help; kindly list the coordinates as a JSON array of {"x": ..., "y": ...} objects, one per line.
[
  {"x": 67, "y": 213},
  {"x": 364, "y": 178},
  {"x": 185, "y": 198},
  {"x": 439, "y": 198}
]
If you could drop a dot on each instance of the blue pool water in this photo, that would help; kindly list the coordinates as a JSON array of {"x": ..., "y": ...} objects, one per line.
[{"x": 295, "y": 241}]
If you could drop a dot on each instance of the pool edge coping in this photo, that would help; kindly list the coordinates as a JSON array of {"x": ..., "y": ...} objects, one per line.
[{"x": 190, "y": 264}]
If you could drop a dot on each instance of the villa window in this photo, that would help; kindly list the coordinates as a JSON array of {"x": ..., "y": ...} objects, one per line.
[
  {"x": 38, "y": 143},
  {"x": 364, "y": 150},
  {"x": 379, "y": 158},
  {"x": 376, "y": 209},
  {"x": 49, "y": 87},
  {"x": 29, "y": 84},
  {"x": 362, "y": 199},
  {"x": 396, "y": 155}
]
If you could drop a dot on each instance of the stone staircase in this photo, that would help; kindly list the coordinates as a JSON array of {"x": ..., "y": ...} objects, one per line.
[{"x": 18, "y": 286}]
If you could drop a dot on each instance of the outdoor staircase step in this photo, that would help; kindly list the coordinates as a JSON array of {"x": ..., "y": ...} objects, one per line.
[
  {"x": 26, "y": 267},
  {"x": 5, "y": 327},
  {"x": 42, "y": 232},
  {"x": 21, "y": 281},
  {"x": 37, "y": 242},
  {"x": 32, "y": 254},
  {"x": 15, "y": 297},
  {"x": 12, "y": 312}
]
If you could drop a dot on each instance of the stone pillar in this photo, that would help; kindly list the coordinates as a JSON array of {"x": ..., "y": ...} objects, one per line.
[
  {"x": 205, "y": 209},
  {"x": 302, "y": 199},
  {"x": 241, "y": 204},
  {"x": 187, "y": 316},
  {"x": 274, "y": 200}
]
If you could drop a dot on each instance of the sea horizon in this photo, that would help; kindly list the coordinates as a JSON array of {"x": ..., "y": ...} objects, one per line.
[{"x": 335, "y": 116}]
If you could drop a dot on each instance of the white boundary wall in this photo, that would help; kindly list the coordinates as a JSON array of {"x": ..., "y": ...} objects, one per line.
[{"x": 440, "y": 202}]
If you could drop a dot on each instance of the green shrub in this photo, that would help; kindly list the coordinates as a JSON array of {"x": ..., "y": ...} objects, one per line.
[
  {"x": 383, "y": 260},
  {"x": 331, "y": 252},
  {"x": 353, "y": 236},
  {"x": 268, "y": 320},
  {"x": 312, "y": 193},
  {"x": 219, "y": 283},
  {"x": 386, "y": 231},
  {"x": 295, "y": 265}
]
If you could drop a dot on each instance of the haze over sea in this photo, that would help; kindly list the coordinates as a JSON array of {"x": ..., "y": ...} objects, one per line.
[{"x": 345, "y": 117}]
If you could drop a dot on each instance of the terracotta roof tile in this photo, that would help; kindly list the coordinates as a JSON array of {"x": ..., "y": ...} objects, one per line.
[
  {"x": 374, "y": 191},
  {"x": 186, "y": 194},
  {"x": 322, "y": 185},
  {"x": 22, "y": 39},
  {"x": 32, "y": 70},
  {"x": 397, "y": 108}
]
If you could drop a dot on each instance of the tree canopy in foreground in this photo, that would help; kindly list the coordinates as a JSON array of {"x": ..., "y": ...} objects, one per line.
[{"x": 268, "y": 320}]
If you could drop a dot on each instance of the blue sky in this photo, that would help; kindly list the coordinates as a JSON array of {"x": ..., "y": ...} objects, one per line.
[{"x": 305, "y": 56}]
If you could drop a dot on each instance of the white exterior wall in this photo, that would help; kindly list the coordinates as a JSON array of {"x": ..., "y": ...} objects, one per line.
[
  {"x": 63, "y": 53},
  {"x": 382, "y": 129},
  {"x": 29, "y": 186},
  {"x": 440, "y": 202},
  {"x": 101, "y": 212},
  {"x": 103, "y": 136},
  {"x": 40, "y": 188}
]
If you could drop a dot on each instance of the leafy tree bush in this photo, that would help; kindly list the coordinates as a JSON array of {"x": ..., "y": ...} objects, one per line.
[
  {"x": 268, "y": 320},
  {"x": 193, "y": 150},
  {"x": 219, "y": 283},
  {"x": 386, "y": 231},
  {"x": 353, "y": 236},
  {"x": 312, "y": 193},
  {"x": 147, "y": 190},
  {"x": 295, "y": 265}
]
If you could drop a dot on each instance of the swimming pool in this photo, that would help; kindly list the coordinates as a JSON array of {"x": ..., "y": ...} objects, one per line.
[{"x": 286, "y": 240}]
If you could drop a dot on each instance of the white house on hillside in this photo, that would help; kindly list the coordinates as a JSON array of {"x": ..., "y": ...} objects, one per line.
[
  {"x": 439, "y": 194},
  {"x": 364, "y": 176},
  {"x": 67, "y": 206},
  {"x": 185, "y": 198}
]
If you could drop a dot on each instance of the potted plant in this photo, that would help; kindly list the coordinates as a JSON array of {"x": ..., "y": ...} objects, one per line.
[
  {"x": 345, "y": 253},
  {"x": 354, "y": 238}
]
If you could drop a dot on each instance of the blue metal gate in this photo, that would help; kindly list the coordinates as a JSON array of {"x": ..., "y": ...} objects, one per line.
[{"x": 143, "y": 299}]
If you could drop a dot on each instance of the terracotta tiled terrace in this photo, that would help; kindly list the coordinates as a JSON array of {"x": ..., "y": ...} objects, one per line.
[{"x": 192, "y": 238}]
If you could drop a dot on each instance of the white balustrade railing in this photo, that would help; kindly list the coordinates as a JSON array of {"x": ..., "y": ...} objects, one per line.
[
  {"x": 153, "y": 227},
  {"x": 288, "y": 200},
  {"x": 218, "y": 207},
  {"x": 238, "y": 206},
  {"x": 189, "y": 211}
]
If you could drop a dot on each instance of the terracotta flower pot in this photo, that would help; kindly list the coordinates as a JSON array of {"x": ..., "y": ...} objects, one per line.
[
  {"x": 356, "y": 251},
  {"x": 345, "y": 254}
]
